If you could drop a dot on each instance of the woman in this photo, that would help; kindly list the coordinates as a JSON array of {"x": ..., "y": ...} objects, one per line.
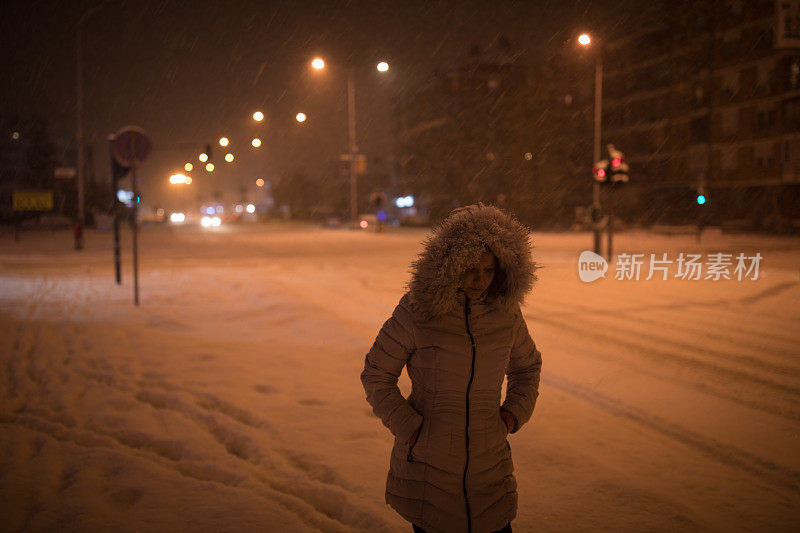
[{"x": 459, "y": 330}]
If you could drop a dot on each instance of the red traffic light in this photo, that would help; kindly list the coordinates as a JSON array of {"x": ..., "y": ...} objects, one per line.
[
  {"x": 600, "y": 173},
  {"x": 617, "y": 161}
]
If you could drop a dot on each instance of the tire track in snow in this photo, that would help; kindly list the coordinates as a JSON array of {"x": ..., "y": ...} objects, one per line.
[
  {"x": 633, "y": 328},
  {"x": 730, "y": 456},
  {"x": 660, "y": 356},
  {"x": 721, "y": 310}
]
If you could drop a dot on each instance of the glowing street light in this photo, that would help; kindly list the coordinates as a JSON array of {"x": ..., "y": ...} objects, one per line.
[
  {"x": 259, "y": 182},
  {"x": 188, "y": 180},
  {"x": 258, "y": 116},
  {"x": 300, "y": 117},
  {"x": 203, "y": 157},
  {"x": 256, "y": 142},
  {"x": 383, "y": 66},
  {"x": 176, "y": 179},
  {"x": 210, "y": 167},
  {"x": 223, "y": 141},
  {"x": 584, "y": 39},
  {"x": 188, "y": 167},
  {"x": 229, "y": 158}
]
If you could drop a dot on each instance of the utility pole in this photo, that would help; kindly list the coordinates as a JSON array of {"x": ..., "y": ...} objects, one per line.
[
  {"x": 351, "y": 131},
  {"x": 79, "y": 134},
  {"x": 598, "y": 117}
]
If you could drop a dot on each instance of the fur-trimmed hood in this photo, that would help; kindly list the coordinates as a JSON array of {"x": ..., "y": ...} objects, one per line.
[{"x": 456, "y": 245}]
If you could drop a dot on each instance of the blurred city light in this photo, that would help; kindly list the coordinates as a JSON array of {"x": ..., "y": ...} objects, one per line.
[
  {"x": 219, "y": 209},
  {"x": 258, "y": 116},
  {"x": 383, "y": 66},
  {"x": 205, "y": 222},
  {"x": 216, "y": 221},
  {"x": 584, "y": 39},
  {"x": 126, "y": 197},
  {"x": 203, "y": 157},
  {"x": 301, "y": 117},
  {"x": 239, "y": 208},
  {"x": 701, "y": 199},
  {"x": 259, "y": 182},
  {"x": 229, "y": 158},
  {"x": 404, "y": 201},
  {"x": 177, "y": 218},
  {"x": 188, "y": 167},
  {"x": 318, "y": 63},
  {"x": 223, "y": 141},
  {"x": 177, "y": 178},
  {"x": 251, "y": 208},
  {"x": 15, "y": 135},
  {"x": 188, "y": 180},
  {"x": 256, "y": 142},
  {"x": 364, "y": 224},
  {"x": 210, "y": 167}
]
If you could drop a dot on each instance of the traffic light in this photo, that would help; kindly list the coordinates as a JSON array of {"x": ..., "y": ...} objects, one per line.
[
  {"x": 701, "y": 197},
  {"x": 600, "y": 170},
  {"x": 618, "y": 169}
]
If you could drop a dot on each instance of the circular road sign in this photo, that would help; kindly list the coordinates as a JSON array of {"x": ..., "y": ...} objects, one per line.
[{"x": 131, "y": 145}]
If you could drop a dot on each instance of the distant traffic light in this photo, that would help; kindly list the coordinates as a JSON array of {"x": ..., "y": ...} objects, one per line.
[
  {"x": 701, "y": 199},
  {"x": 619, "y": 168},
  {"x": 600, "y": 170}
]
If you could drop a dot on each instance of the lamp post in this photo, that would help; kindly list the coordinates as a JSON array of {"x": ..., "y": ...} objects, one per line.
[
  {"x": 383, "y": 66},
  {"x": 79, "y": 134},
  {"x": 585, "y": 40}
]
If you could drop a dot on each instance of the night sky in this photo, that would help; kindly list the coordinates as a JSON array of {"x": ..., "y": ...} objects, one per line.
[{"x": 189, "y": 72}]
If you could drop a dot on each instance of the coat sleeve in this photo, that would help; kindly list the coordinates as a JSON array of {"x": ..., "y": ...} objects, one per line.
[
  {"x": 524, "y": 369},
  {"x": 384, "y": 362}
]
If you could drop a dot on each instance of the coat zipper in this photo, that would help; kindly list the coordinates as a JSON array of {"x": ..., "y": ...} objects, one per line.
[{"x": 466, "y": 430}]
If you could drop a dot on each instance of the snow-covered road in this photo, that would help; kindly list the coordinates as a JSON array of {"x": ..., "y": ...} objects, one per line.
[{"x": 230, "y": 399}]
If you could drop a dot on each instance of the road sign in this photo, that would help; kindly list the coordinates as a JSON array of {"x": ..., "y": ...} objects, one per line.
[
  {"x": 130, "y": 146},
  {"x": 33, "y": 200},
  {"x": 64, "y": 173}
]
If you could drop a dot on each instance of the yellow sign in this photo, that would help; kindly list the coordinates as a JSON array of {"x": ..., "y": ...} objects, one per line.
[{"x": 33, "y": 200}]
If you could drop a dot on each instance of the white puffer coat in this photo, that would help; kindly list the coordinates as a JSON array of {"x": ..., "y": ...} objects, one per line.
[{"x": 458, "y": 475}]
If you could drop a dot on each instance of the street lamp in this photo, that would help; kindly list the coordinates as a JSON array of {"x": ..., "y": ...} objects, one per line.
[
  {"x": 223, "y": 141},
  {"x": 258, "y": 116},
  {"x": 300, "y": 117},
  {"x": 585, "y": 40},
  {"x": 383, "y": 66},
  {"x": 256, "y": 142}
]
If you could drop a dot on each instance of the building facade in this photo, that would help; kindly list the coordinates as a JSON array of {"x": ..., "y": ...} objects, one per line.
[{"x": 706, "y": 100}]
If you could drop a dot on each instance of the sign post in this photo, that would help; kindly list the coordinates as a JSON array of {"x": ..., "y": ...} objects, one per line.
[{"x": 130, "y": 147}]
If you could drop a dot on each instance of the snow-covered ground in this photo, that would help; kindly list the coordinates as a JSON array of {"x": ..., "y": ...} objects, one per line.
[{"x": 230, "y": 400}]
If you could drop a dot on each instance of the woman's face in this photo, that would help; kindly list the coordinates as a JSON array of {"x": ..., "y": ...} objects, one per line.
[{"x": 477, "y": 279}]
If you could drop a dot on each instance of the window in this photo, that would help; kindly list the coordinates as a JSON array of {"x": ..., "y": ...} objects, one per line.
[
  {"x": 728, "y": 159},
  {"x": 700, "y": 129},
  {"x": 791, "y": 115},
  {"x": 730, "y": 121}
]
